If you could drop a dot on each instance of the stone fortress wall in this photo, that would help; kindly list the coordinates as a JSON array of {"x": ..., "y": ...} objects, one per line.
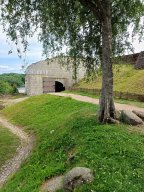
[
  {"x": 129, "y": 59},
  {"x": 136, "y": 59}
]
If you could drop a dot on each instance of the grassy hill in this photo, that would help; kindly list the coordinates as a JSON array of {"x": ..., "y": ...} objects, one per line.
[
  {"x": 126, "y": 79},
  {"x": 63, "y": 128}
]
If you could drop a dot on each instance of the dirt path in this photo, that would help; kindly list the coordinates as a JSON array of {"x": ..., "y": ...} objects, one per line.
[
  {"x": 12, "y": 165},
  {"x": 96, "y": 101},
  {"x": 8, "y": 101}
]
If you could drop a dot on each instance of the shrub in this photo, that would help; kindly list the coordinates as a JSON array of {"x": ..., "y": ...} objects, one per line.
[{"x": 6, "y": 88}]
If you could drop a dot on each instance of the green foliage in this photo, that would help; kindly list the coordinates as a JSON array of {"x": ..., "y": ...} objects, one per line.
[
  {"x": 65, "y": 127},
  {"x": 71, "y": 23},
  {"x": 9, "y": 83},
  {"x": 13, "y": 78},
  {"x": 6, "y": 88},
  {"x": 8, "y": 145}
]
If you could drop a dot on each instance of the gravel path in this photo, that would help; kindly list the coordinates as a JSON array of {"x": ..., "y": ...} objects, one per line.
[
  {"x": 12, "y": 165},
  {"x": 96, "y": 101}
]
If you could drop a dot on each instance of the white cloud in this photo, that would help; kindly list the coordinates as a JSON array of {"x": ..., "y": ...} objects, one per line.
[
  {"x": 4, "y": 66},
  {"x": 9, "y": 69}
]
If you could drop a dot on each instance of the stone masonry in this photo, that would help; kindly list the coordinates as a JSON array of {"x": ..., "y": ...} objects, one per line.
[
  {"x": 140, "y": 61},
  {"x": 52, "y": 69}
]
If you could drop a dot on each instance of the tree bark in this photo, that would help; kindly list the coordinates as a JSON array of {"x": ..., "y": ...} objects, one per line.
[{"x": 107, "y": 109}]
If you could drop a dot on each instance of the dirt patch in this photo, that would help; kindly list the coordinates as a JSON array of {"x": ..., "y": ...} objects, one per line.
[
  {"x": 8, "y": 101},
  {"x": 53, "y": 184},
  {"x": 136, "y": 129}
]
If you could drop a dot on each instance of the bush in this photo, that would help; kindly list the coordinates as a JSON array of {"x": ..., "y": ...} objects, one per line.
[{"x": 6, "y": 88}]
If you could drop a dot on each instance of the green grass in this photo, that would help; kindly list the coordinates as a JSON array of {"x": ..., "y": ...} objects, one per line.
[
  {"x": 126, "y": 79},
  {"x": 8, "y": 145},
  {"x": 65, "y": 127},
  {"x": 122, "y": 101}
]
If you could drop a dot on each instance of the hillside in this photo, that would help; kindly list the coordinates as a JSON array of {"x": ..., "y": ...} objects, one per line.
[
  {"x": 126, "y": 79},
  {"x": 66, "y": 128},
  {"x": 13, "y": 78}
]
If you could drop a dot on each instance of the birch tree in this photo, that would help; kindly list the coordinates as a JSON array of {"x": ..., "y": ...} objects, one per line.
[{"x": 93, "y": 30}]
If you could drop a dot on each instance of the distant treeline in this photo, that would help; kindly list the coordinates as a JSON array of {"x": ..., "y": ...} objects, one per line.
[{"x": 9, "y": 82}]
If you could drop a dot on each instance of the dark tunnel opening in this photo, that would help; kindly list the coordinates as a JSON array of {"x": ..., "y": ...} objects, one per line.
[{"x": 59, "y": 86}]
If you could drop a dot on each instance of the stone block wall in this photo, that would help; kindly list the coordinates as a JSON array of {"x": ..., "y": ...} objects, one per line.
[
  {"x": 140, "y": 61},
  {"x": 34, "y": 84},
  {"x": 129, "y": 59}
]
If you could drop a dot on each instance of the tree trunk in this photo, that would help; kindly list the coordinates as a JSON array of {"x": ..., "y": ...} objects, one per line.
[{"x": 107, "y": 108}]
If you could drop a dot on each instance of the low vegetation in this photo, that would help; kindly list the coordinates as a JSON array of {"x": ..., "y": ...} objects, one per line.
[
  {"x": 126, "y": 79},
  {"x": 8, "y": 145},
  {"x": 68, "y": 135},
  {"x": 10, "y": 82},
  {"x": 6, "y": 88}
]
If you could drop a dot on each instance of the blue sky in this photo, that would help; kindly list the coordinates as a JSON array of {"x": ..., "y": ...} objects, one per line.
[{"x": 11, "y": 63}]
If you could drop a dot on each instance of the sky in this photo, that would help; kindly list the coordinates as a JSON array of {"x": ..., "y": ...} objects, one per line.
[{"x": 11, "y": 63}]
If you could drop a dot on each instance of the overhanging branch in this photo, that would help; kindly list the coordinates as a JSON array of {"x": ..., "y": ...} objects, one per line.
[{"x": 93, "y": 7}]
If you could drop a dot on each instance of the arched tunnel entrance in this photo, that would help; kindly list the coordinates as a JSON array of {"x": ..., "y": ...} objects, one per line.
[{"x": 59, "y": 86}]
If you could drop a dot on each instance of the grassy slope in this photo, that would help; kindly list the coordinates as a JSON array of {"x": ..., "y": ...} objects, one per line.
[
  {"x": 126, "y": 79},
  {"x": 65, "y": 127},
  {"x": 8, "y": 145}
]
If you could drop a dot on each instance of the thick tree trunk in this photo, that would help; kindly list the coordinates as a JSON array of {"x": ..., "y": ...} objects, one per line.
[{"x": 107, "y": 108}]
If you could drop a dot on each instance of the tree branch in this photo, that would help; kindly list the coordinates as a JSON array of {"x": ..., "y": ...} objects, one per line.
[
  {"x": 93, "y": 7},
  {"x": 101, "y": 7}
]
